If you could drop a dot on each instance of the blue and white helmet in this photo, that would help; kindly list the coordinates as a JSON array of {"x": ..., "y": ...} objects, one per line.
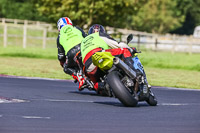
[{"x": 63, "y": 21}]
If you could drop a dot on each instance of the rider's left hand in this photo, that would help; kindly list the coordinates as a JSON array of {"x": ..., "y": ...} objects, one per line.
[{"x": 133, "y": 50}]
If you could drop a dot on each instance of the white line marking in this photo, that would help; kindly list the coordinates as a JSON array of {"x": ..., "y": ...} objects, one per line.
[
  {"x": 184, "y": 89},
  {"x": 174, "y": 104},
  {"x": 4, "y": 100},
  {"x": 59, "y": 100},
  {"x": 35, "y": 117},
  {"x": 1, "y": 115}
]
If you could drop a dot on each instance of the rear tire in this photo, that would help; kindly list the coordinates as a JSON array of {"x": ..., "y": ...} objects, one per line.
[{"x": 120, "y": 91}]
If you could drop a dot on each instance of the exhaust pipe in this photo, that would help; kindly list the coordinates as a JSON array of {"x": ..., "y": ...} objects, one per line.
[{"x": 120, "y": 64}]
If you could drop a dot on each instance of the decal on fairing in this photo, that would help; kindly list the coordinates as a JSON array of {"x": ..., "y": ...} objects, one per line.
[{"x": 137, "y": 64}]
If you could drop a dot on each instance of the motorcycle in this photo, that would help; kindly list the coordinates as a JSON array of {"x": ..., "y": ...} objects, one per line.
[{"x": 121, "y": 81}]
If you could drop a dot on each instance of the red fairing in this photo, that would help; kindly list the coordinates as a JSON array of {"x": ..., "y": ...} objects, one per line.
[{"x": 120, "y": 51}]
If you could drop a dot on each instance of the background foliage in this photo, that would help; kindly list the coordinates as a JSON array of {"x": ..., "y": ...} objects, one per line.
[{"x": 157, "y": 16}]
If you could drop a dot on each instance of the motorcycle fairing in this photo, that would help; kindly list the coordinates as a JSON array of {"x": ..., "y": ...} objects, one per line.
[{"x": 137, "y": 64}]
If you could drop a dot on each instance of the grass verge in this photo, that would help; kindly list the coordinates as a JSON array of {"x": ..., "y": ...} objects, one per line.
[
  {"x": 163, "y": 69},
  {"x": 45, "y": 68}
]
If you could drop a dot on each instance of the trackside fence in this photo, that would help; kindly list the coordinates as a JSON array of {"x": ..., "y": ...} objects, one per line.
[
  {"x": 156, "y": 42},
  {"x": 26, "y": 33}
]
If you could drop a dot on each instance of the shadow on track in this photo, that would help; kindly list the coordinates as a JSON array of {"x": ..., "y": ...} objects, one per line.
[
  {"x": 118, "y": 104},
  {"x": 87, "y": 93},
  {"x": 112, "y": 103}
]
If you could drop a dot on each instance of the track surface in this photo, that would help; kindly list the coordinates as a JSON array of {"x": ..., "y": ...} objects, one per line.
[{"x": 47, "y": 106}]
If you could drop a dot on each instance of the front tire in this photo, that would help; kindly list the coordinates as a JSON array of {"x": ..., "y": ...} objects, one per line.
[
  {"x": 152, "y": 101},
  {"x": 120, "y": 91}
]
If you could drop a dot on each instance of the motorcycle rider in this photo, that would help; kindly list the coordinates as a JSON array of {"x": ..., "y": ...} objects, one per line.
[
  {"x": 68, "y": 44},
  {"x": 96, "y": 41}
]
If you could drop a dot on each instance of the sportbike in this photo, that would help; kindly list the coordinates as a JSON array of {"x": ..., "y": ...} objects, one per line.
[{"x": 121, "y": 81}]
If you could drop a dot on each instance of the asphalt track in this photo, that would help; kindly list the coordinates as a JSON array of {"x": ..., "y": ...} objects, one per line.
[{"x": 55, "y": 106}]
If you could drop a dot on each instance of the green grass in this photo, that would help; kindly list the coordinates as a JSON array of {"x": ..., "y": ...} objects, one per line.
[
  {"x": 167, "y": 60},
  {"x": 31, "y": 62},
  {"x": 34, "y": 52},
  {"x": 173, "y": 77},
  {"x": 163, "y": 69},
  {"x": 45, "y": 68}
]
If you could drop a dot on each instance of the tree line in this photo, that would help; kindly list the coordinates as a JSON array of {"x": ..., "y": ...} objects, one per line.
[{"x": 155, "y": 16}]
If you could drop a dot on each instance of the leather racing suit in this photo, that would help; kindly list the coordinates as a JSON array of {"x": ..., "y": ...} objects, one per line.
[{"x": 68, "y": 44}]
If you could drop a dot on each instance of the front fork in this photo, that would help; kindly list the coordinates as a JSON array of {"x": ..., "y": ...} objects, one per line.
[{"x": 144, "y": 91}]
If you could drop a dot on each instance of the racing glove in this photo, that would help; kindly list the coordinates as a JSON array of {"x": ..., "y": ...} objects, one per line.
[{"x": 132, "y": 50}]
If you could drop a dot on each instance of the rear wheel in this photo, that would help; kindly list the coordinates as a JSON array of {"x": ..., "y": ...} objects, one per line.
[{"x": 120, "y": 90}]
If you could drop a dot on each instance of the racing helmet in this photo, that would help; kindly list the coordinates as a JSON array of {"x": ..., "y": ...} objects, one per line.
[
  {"x": 63, "y": 21},
  {"x": 96, "y": 28}
]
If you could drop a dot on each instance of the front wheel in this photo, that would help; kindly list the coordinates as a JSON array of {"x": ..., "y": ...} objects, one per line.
[
  {"x": 152, "y": 101},
  {"x": 120, "y": 91}
]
